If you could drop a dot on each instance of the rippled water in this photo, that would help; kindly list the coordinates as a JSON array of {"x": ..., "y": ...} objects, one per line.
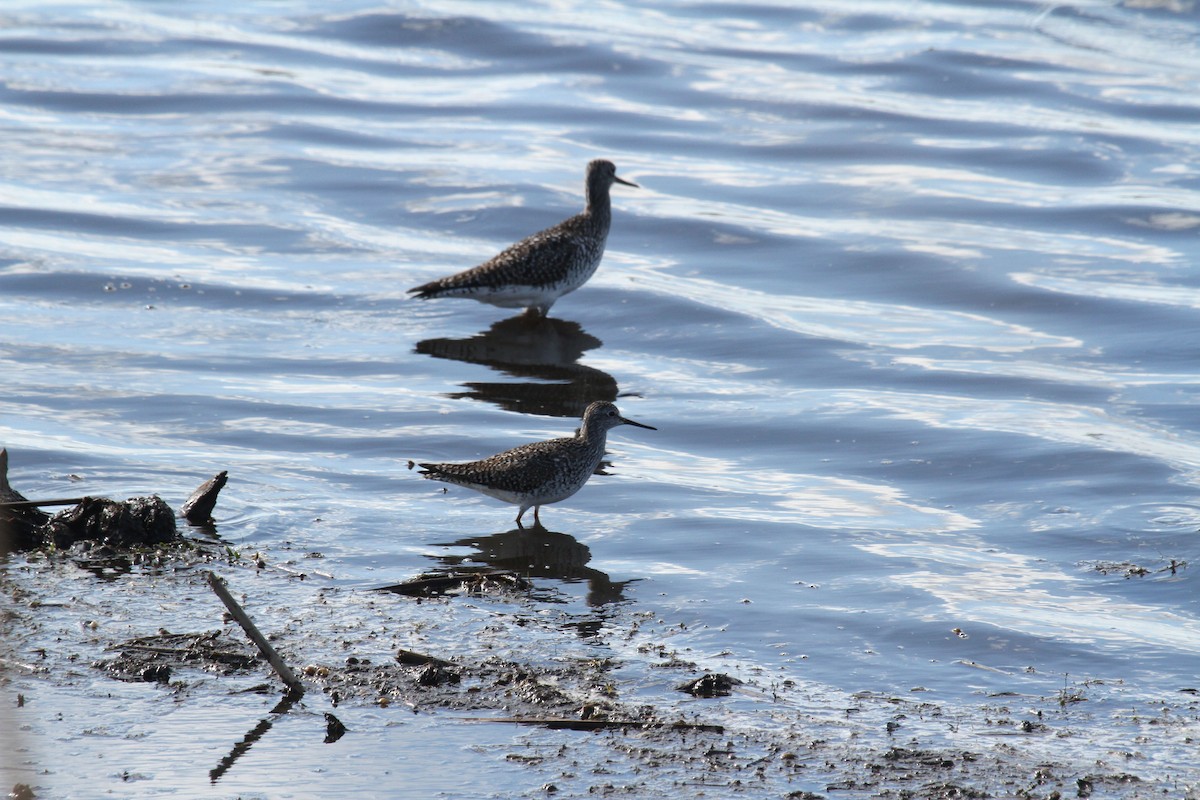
[{"x": 909, "y": 290}]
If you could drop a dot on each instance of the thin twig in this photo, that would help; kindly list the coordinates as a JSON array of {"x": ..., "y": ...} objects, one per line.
[
  {"x": 294, "y": 685},
  {"x": 62, "y": 501}
]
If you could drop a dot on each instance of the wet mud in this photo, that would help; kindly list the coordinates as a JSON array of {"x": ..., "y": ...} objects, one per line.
[
  {"x": 154, "y": 659},
  {"x": 749, "y": 736}
]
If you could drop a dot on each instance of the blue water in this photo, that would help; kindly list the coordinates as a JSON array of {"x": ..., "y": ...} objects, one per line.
[{"x": 909, "y": 290}]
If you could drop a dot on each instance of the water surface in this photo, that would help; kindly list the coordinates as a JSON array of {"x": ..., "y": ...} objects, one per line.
[{"x": 909, "y": 290}]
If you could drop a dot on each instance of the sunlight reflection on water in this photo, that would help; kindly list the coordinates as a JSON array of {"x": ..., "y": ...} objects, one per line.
[
  {"x": 908, "y": 290},
  {"x": 860, "y": 322},
  {"x": 1021, "y": 593},
  {"x": 1091, "y": 427}
]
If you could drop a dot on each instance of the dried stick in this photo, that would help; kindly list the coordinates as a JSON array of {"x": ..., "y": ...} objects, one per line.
[
  {"x": 295, "y": 687},
  {"x": 62, "y": 501}
]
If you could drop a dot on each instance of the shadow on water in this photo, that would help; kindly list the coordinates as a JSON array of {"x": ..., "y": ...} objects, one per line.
[
  {"x": 543, "y": 349},
  {"x": 252, "y": 736},
  {"x": 539, "y": 553}
]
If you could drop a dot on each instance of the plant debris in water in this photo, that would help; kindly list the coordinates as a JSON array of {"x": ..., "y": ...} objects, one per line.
[
  {"x": 1131, "y": 570},
  {"x": 709, "y": 685},
  {"x": 155, "y": 658},
  {"x": 472, "y": 581}
]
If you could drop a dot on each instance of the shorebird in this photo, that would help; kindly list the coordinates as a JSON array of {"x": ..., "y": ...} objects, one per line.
[
  {"x": 539, "y": 473},
  {"x": 539, "y": 269}
]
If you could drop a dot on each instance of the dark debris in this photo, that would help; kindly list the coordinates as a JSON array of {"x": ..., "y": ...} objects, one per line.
[
  {"x": 471, "y": 581},
  {"x": 153, "y": 659},
  {"x": 712, "y": 684}
]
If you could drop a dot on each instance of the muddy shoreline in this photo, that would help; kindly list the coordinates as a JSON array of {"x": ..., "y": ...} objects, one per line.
[{"x": 759, "y": 737}]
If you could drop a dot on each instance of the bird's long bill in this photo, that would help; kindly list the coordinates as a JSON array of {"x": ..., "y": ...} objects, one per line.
[
  {"x": 627, "y": 183},
  {"x": 638, "y": 424}
]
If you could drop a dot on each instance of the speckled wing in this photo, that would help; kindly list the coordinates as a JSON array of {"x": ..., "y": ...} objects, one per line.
[
  {"x": 542, "y": 259},
  {"x": 523, "y": 470}
]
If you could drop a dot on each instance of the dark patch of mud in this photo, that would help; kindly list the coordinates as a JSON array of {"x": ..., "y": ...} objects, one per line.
[
  {"x": 473, "y": 581},
  {"x": 491, "y": 684},
  {"x": 139, "y": 522},
  {"x": 156, "y": 658}
]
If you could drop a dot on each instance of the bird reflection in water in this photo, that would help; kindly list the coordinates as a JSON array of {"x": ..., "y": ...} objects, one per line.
[
  {"x": 543, "y": 349},
  {"x": 539, "y": 553}
]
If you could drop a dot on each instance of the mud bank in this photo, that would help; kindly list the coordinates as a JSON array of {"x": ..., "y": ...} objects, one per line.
[{"x": 615, "y": 706}]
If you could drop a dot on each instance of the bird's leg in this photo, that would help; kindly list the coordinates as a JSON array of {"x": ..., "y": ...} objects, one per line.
[
  {"x": 537, "y": 520},
  {"x": 520, "y": 514}
]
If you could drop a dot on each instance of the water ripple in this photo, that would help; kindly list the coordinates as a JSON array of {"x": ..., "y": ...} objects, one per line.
[{"x": 909, "y": 290}]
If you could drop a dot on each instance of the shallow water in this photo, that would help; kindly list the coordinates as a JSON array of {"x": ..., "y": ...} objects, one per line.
[{"x": 909, "y": 291}]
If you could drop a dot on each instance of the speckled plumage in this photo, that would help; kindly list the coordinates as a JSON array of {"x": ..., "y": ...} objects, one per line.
[
  {"x": 541, "y": 268},
  {"x": 539, "y": 473}
]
